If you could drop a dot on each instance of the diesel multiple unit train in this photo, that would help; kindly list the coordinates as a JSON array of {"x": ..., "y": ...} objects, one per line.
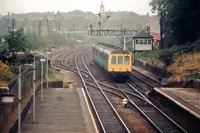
[{"x": 115, "y": 61}]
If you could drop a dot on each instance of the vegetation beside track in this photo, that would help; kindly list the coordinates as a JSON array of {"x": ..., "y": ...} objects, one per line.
[
  {"x": 53, "y": 74},
  {"x": 183, "y": 61}
]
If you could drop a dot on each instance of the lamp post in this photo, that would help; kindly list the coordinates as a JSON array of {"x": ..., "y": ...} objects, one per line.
[
  {"x": 124, "y": 47},
  {"x": 42, "y": 60},
  {"x": 50, "y": 50},
  {"x": 19, "y": 97},
  {"x": 19, "y": 101},
  {"x": 34, "y": 89},
  {"x": 47, "y": 69},
  {"x": 47, "y": 53},
  {"x": 51, "y": 54}
]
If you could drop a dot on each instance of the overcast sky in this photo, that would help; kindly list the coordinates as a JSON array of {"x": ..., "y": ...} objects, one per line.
[{"x": 24, "y": 6}]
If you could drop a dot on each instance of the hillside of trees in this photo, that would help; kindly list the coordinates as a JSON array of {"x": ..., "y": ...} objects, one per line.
[{"x": 75, "y": 20}]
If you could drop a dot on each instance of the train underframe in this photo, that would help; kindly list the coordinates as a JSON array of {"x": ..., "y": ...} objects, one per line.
[
  {"x": 116, "y": 76},
  {"x": 119, "y": 76}
]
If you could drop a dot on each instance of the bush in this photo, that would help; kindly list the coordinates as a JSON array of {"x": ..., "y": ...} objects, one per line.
[
  {"x": 66, "y": 85},
  {"x": 166, "y": 56},
  {"x": 147, "y": 55},
  {"x": 187, "y": 48},
  {"x": 5, "y": 72}
]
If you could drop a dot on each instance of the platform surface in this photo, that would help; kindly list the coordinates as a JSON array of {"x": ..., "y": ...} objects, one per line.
[
  {"x": 187, "y": 98},
  {"x": 63, "y": 110}
]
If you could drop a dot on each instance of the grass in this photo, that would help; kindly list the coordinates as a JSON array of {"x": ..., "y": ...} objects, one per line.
[
  {"x": 66, "y": 85},
  {"x": 150, "y": 57},
  {"x": 185, "y": 67},
  {"x": 53, "y": 74}
]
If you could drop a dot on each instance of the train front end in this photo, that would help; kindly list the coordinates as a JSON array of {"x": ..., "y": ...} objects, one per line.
[{"x": 120, "y": 65}]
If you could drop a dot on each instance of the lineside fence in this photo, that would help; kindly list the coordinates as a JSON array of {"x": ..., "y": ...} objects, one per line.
[{"x": 26, "y": 89}]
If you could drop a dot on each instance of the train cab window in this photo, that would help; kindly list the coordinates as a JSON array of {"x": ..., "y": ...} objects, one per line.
[
  {"x": 113, "y": 59},
  {"x": 120, "y": 60},
  {"x": 149, "y": 41},
  {"x": 126, "y": 60}
]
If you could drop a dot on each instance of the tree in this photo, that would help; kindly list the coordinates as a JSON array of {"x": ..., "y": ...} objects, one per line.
[
  {"x": 16, "y": 41},
  {"x": 180, "y": 20}
]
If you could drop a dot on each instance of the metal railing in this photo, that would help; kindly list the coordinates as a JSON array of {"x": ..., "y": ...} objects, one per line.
[{"x": 26, "y": 87}]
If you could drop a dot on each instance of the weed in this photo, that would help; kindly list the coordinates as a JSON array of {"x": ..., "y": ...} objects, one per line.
[{"x": 66, "y": 85}]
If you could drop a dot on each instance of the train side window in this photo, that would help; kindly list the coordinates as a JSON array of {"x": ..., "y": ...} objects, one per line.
[
  {"x": 149, "y": 41},
  {"x": 102, "y": 55},
  {"x": 126, "y": 60},
  {"x": 98, "y": 54},
  {"x": 113, "y": 59},
  {"x": 120, "y": 60}
]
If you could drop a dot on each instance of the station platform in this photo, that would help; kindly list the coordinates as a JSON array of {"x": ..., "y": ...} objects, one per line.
[
  {"x": 64, "y": 110},
  {"x": 186, "y": 98}
]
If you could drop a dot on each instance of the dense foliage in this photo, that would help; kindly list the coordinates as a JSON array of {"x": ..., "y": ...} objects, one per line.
[
  {"x": 5, "y": 72},
  {"x": 16, "y": 41},
  {"x": 168, "y": 55},
  {"x": 76, "y": 20},
  {"x": 35, "y": 41},
  {"x": 180, "y": 20}
]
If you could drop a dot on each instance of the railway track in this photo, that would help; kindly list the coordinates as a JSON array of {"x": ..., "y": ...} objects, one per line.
[
  {"x": 159, "y": 120},
  {"x": 145, "y": 79},
  {"x": 153, "y": 114},
  {"x": 108, "y": 118},
  {"x": 168, "y": 107}
]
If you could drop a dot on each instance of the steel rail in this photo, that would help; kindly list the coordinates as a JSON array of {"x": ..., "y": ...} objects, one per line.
[
  {"x": 85, "y": 86},
  {"x": 173, "y": 122},
  {"x": 105, "y": 96}
]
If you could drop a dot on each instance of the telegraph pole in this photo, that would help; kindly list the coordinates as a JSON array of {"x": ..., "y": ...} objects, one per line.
[
  {"x": 39, "y": 27},
  {"x": 74, "y": 30},
  {"x": 58, "y": 25},
  {"x": 161, "y": 31},
  {"x": 13, "y": 24},
  {"x": 47, "y": 27}
]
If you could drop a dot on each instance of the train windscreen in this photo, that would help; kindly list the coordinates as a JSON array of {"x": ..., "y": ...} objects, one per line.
[
  {"x": 113, "y": 59},
  {"x": 127, "y": 60}
]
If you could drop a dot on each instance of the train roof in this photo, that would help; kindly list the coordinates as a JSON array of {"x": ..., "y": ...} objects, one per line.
[{"x": 109, "y": 49}]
